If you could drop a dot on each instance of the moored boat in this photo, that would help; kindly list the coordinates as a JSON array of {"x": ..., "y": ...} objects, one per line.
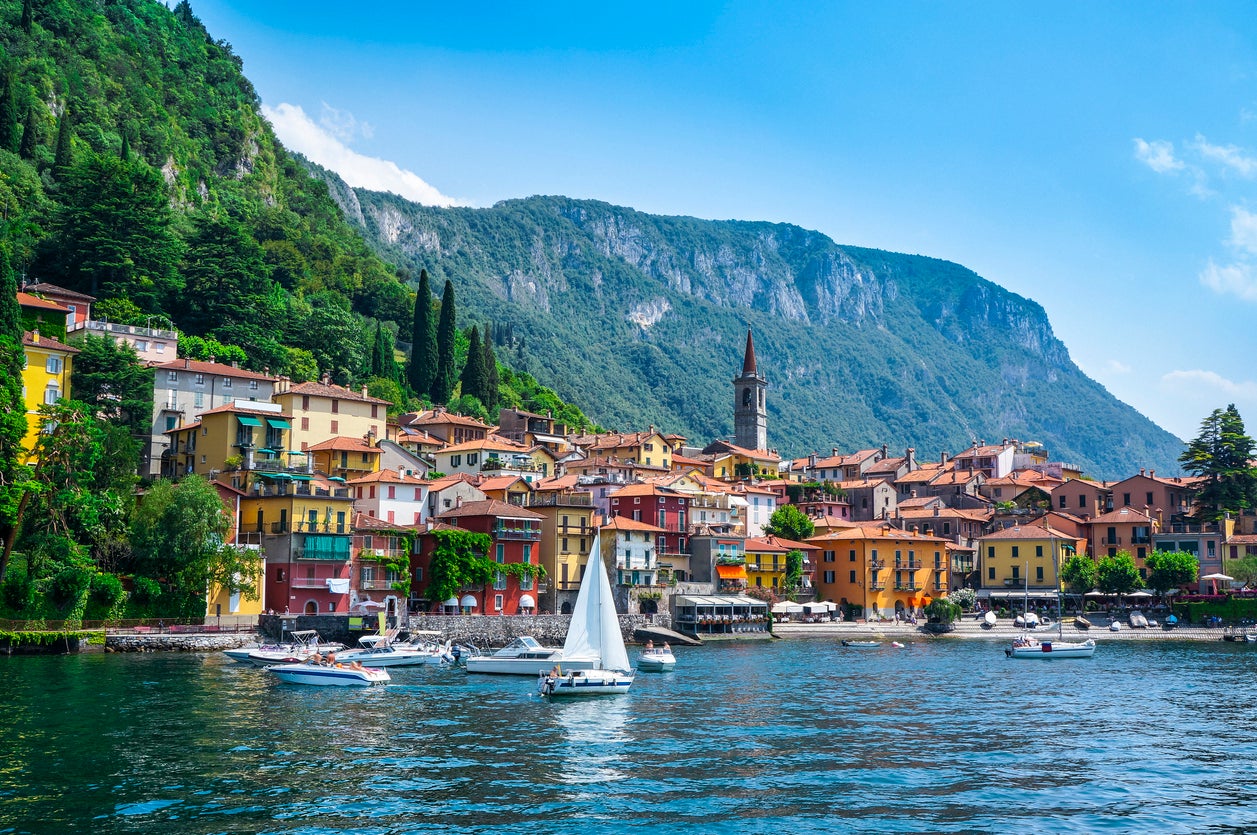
[
  {"x": 380, "y": 651},
  {"x": 305, "y": 643},
  {"x": 656, "y": 659},
  {"x": 524, "y": 656},
  {"x": 861, "y": 644},
  {"x": 329, "y": 675},
  {"x": 1028, "y": 647}
]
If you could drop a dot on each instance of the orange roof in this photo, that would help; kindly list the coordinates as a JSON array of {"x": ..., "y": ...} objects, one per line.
[
  {"x": 775, "y": 544},
  {"x": 217, "y": 368},
  {"x": 27, "y": 300},
  {"x": 491, "y": 444},
  {"x": 623, "y": 523},
  {"x": 29, "y": 340},
  {"x": 344, "y": 444},
  {"x": 490, "y": 507},
  {"x": 332, "y": 392},
  {"x": 387, "y": 476}
]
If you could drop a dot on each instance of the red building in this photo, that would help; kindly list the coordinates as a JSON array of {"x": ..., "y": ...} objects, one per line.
[
  {"x": 662, "y": 507},
  {"x": 515, "y": 534}
]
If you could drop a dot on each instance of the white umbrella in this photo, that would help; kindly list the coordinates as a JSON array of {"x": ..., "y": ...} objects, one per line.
[
  {"x": 1095, "y": 593},
  {"x": 1217, "y": 576},
  {"x": 786, "y": 607},
  {"x": 1140, "y": 593}
]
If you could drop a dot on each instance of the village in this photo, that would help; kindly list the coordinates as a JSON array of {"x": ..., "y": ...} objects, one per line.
[{"x": 345, "y": 504}]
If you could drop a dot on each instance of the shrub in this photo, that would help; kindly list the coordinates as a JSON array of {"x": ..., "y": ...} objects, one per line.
[
  {"x": 18, "y": 592},
  {"x": 146, "y": 591},
  {"x": 68, "y": 584},
  {"x": 106, "y": 589}
]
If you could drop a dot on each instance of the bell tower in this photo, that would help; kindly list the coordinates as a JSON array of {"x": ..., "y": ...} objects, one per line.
[{"x": 750, "y": 417}]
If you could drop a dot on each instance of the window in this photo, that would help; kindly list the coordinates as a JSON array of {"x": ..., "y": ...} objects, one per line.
[
  {"x": 1038, "y": 550},
  {"x": 499, "y": 582},
  {"x": 990, "y": 552},
  {"x": 392, "y": 491},
  {"x": 1038, "y": 573},
  {"x": 1016, "y": 572},
  {"x": 497, "y": 602},
  {"x": 253, "y": 385},
  {"x": 456, "y": 460},
  {"x": 853, "y": 575},
  {"x": 305, "y": 424},
  {"x": 473, "y": 458},
  {"x": 1062, "y": 502},
  {"x": 1082, "y": 501},
  {"x": 198, "y": 400},
  {"x": 200, "y": 379},
  {"x": 305, "y": 402},
  {"x": 140, "y": 345},
  {"x": 159, "y": 347},
  {"x": 53, "y": 365},
  {"x": 851, "y": 555},
  {"x": 226, "y": 382},
  {"x": 1016, "y": 552},
  {"x": 172, "y": 376},
  {"x": 335, "y": 426},
  {"x": 375, "y": 410},
  {"x": 335, "y": 407},
  {"x": 829, "y": 576},
  {"x": 990, "y": 572}
]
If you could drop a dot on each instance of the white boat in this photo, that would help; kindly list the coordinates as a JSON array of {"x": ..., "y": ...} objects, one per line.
[
  {"x": 380, "y": 651},
  {"x": 656, "y": 659},
  {"x": 861, "y": 644},
  {"x": 593, "y": 635},
  {"x": 305, "y": 642},
  {"x": 329, "y": 675},
  {"x": 523, "y": 656},
  {"x": 1026, "y": 646}
]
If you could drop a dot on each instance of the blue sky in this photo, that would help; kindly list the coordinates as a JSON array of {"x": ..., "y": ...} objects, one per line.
[{"x": 1098, "y": 158}]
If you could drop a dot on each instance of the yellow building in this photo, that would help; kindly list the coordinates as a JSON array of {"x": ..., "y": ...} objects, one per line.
[
  {"x": 220, "y": 602},
  {"x": 345, "y": 458},
  {"x": 567, "y": 534},
  {"x": 45, "y": 378},
  {"x": 1024, "y": 560},
  {"x": 730, "y": 462},
  {"x": 650, "y": 448},
  {"x": 766, "y": 561},
  {"x": 246, "y": 435},
  {"x": 880, "y": 570},
  {"x": 321, "y": 411}
]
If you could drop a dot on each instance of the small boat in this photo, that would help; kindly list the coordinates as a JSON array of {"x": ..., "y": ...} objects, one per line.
[
  {"x": 861, "y": 644},
  {"x": 380, "y": 651},
  {"x": 1082, "y": 623},
  {"x": 1250, "y": 637},
  {"x": 1137, "y": 620},
  {"x": 656, "y": 659},
  {"x": 1027, "y": 647},
  {"x": 896, "y": 645},
  {"x": 305, "y": 642},
  {"x": 988, "y": 620},
  {"x": 328, "y": 675},
  {"x": 592, "y": 635},
  {"x": 525, "y": 657}
]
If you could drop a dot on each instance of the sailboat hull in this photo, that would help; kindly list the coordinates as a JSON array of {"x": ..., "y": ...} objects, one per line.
[
  {"x": 585, "y": 683},
  {"x": 1049, "y": 650}
]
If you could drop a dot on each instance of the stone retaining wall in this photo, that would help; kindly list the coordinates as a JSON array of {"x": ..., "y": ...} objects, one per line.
[
  {"x": 480, "y": 630},
  {"x": 175, "y": 643}
]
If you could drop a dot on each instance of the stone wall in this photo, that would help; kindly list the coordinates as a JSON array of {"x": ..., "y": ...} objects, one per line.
[
  {"x": 149, "y": 642},
  {"x": 480, "y": 630}
]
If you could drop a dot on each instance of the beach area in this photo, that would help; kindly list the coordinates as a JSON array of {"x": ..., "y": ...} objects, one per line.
[{"x": 1004, "y": 630}]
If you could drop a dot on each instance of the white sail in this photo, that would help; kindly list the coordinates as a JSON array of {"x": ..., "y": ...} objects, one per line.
[{"x": 595, "y": 628}]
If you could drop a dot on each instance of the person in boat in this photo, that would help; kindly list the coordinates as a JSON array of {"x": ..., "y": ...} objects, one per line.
[
  {"x": 316, "y": 658},
  {"x": 650, "y": 645},
  {"x": 666, "y": 648},
  {"x": 331, "y": 659}
]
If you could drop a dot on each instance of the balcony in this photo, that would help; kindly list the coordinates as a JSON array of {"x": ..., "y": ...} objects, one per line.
[
  {"x": 559, "y": 498},
  {"x": 877, "y": 585},
  {"x": 877, "y": 563},
  {"x": 309, "y": 583},
  {"x": 907, "y": 587},
  {"x": 909, "y": 565},
  {"x": 522, "y": 534},
  {"x": 376, "y": 584}
]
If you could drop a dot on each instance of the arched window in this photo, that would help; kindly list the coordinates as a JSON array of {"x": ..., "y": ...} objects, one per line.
[{"x": 746, "y": 397}]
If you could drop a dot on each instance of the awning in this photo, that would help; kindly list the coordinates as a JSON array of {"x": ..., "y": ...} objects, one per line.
[
  {"x": 336, "y": 478},
  {"x": 248, "y": 421},
  {"x": 296, "y": 452},
  {"x": 452, "y": 602},
  {"x": 300, "y": 477},
  {"x": 279, "y": 423},
  {"x": 984, "y": 594},
  {"x": 731, "y": 572},
  {"x": 785, "y": 607},
  {"x": 468, "y": 602},
  {"x": 279, "y": 476},
  {"x": 816, "y": 607},
  {"x": 267, "y": 451},
  {"x": 526, "y": 602}
]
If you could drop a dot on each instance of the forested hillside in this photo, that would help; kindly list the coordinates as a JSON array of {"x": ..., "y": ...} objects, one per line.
[{"x": 644, "y": 318}]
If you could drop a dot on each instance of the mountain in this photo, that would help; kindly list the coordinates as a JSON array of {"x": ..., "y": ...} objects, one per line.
[{"x": 642, "y": 319}]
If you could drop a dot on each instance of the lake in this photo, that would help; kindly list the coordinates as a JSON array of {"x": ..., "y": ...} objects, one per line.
[{"x": 797, "y": 735}]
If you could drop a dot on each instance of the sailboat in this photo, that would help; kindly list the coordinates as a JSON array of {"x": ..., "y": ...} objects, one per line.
[
  {"x": 593, "y": 637},
  {"x": 1027, "y": 646}
]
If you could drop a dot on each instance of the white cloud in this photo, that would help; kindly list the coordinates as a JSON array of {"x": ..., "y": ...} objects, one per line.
[
  {"x": 1157, "y": 155},
  {"x": 1197, "y": 379},
  {"x": 317, "y": 142},
  {"x": 1244, "y": 229},
  {"x": 1117, "y": 367},
  {"x": 344, "y": 125},
  {"x": 1238, "y": 279},
  {"x": 1229, "y": 156}
]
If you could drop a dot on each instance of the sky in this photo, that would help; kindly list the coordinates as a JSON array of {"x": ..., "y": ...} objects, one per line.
[{"x": 1097, "y": 158}]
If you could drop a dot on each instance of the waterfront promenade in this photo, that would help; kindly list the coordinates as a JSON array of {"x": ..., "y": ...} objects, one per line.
[{"x": 1002, "y": 631}]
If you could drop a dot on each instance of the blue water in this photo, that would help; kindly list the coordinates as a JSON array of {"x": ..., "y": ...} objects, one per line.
[{"x": 800, "y": 735}]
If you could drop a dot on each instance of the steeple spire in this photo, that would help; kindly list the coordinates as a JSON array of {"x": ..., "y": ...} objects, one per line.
[{"x": 748, "y": 364}]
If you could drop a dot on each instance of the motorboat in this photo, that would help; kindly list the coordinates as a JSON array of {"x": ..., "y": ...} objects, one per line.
[
  {"x": 1137, "y": 619},
  {"x": 1028, "y": 647},
  {"x": 1082, "y": 623},
  {"x": 593, "y": 635},
  {"x": 852, "y": 644},
  {"x": 524, "y": 656},
  {"x": 380, "y": 651},
  {"x": 305, "y": 643},
  {"x": 656, "y": 659},
  {"x": 329, "y": 675}
]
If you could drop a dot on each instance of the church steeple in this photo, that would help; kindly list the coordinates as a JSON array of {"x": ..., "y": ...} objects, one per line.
[{"x": 750, "y": 417}]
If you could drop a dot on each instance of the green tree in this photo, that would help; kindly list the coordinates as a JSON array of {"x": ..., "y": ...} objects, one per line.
[
  {"x": 1117, "y": 574},
  {"x": 64, "y": 157},
  {"x": 112, "y": 234},
  {"x": 459, "y": 559},
  {"x": 491, "y": 379},
  {"x": 13, "y": 473},
  {"x": 422, "y": 368},
  {"x": 443, "y": 382},
  {"x": 788, "y": 522},
  {"x": 178, "y": 534},
  {"x": 794, "y": 570},
  {"x": 30, "y": 134},
  {"x": 1171, "y": 570},
  {"x": 9, "y": 118},
  {"x": 473, "y": 377},
  {"x": 334, "y": 335},
  {"x": 110, "y": 378},
  {"x": 944, "y": 611},
  {"x": 1222, "y": 455},
  {"x": 1079, "y": 574},
  {"x": 225, "y": 277}
]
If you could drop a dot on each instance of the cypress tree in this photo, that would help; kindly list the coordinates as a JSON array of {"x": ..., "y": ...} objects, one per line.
[
  {"x": 30, "y": 134},
  {"x": 12, "y": 409},
  {"x": 422, "y": 368},
  {"x": 65, "y": 152},
  {"x": 443, "y": 381},
  {"x": 125, "y": 153},
  {"x": 9, "y": 136},
  {"x": 491, "y": 380},
  {"x": 27, "y": 15},
  {"x": 473, "y": 370}
]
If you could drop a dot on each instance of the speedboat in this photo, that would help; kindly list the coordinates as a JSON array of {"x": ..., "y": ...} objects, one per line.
[
  {"x": 305, "y": 643},
  {"x": 656, "y": 659},
  {"x": 525, "y": 657},
  {"x": 1028, "y": 647},
  {"x": 329, "y": 675},
  {"x": 379, "y": 651}
]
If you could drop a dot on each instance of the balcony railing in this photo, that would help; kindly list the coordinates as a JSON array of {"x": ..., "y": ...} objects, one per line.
[
  {"x": 877, "y": 586},
  {"x": 309, "y": 583},
  {"x": 909, "y": 565},
  {"x": 877, "y": 562},
  {"x": 907, "y": 587},
  {"x": 558, "y": 498},
  {"x": 376, "y": 584},
  {"x": 502, "y": 532}
]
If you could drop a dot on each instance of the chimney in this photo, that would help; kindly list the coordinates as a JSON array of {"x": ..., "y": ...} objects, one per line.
[
  {"x": 833, "y": 450},
  {"x": 235, "y": 363},
  {"x": 458, "y": 501},
  {"x": 187, "y": 363},
  {"x": 364, "y": 391},
  {"x": 35, "y": 336}
]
